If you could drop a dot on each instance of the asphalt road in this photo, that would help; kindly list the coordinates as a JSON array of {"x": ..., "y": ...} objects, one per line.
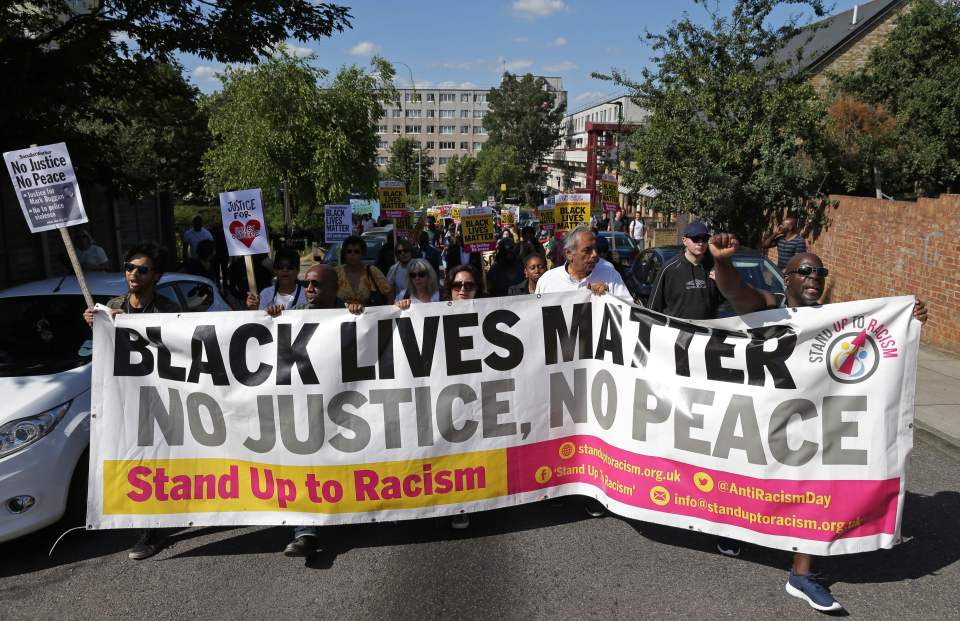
[{"x": 534, "y": 562}]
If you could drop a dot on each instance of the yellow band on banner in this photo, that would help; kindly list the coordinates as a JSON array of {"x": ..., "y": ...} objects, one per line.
[{"x": 157, "y": 487}]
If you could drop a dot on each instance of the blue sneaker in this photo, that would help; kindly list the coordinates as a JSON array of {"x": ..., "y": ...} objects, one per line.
[{"x": 808, "y": 588}]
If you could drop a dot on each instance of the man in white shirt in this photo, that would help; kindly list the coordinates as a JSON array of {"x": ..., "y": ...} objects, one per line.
[
  {"x": 638, "y": 229},
  {"x": 193, "y": 236},
  {"x": 584, "y": 268}
]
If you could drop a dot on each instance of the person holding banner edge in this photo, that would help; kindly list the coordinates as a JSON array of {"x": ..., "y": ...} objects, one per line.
[
  {"x": 804, "y": 278},
  {"x": 143, "y": 267}
]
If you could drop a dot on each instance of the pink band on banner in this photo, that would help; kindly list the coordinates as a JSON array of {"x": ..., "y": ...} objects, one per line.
[{"x": 816, "y": 510}]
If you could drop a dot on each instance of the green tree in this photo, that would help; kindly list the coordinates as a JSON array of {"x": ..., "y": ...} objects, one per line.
[
  {"x": 275, "y": 123},
  {"x": 524, "y": 115},
  {"x": 406, "y": 160},
  {"x": 155, "y": 134},
  {"x": 461, "y": 172},
  {"x": 497, "y": 164},
  {"x": 863, "y": 140},
  {"x": 915, "y": 75},
  {"x": 69, "y": 68},
  {"x": 733, "y": 136}
]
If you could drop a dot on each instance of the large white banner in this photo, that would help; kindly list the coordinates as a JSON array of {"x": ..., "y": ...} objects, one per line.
[{"x": 788, "y": 428}]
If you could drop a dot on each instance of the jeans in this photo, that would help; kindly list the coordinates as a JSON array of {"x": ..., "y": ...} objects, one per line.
[{"x": 301, "y": 531}]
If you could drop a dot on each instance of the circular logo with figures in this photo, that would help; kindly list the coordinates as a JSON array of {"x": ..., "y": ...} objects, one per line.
[
  {"x": 852, "y": 357},
  {"x": 567, "y": 450}
]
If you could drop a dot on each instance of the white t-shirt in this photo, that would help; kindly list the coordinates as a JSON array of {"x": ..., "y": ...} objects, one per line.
[
  {"x": 414, "y": 300},
  {"x": 193, "y": 239},
  {"x": 397, "y": 276},
  {"x": 289, "y": 300},
  {"x": 94, "y": 256},
  {"x": 559, "y": 280},
  {"x": 636, "y": 229}
]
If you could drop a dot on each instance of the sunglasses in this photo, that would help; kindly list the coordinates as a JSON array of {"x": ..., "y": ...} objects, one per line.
[
  {"x": 806, "y": 270},
  {"x": 700, "y": 239},
  {"x": 469, "y": 285},
  {"x": 287, "y": 266},
  {"x": 143, "y": 270},
  {"x": 418, "y": 274}
]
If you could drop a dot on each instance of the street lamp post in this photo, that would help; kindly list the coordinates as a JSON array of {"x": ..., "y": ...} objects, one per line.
[{"x": 413, "y": 85}]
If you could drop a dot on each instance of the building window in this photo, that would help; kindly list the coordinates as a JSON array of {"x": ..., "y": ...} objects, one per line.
[
  {"x": 448, "y": 114},
  {"x": 480, "y": 98},
  {"x": 447, "y": 129},
  {"x": 430, "y": 144},
  {"x": 464, "y": 114},
  {"x": 464, "y": 145},
  {"x": 431, "y": 114},
  {"x": 382, "y": 145},
  {"x": 413, "y": 114},
  {"x": 464, "y": 97},
  {"x": 381, "y": 161},
  {"x": 477, "y": 146},
  {"x": 431, "y": 97},
  {"x": 443, "y": 160},
  {"x": 448, "y": 97},
  {"x": 479, "y": 130},
  {"x": 382, "y": 129},
  {"x": 448, "y": 145},
  {"x": 396, "y": 129},
  {"x": 464, "y": 129},
  {"x": 395, "y": 113},
  {"x": 412, "y": 97},
  {"x": 412, "y": 129},
  {"x": 431, "y": 129},
  {"x": 479, "y": 114}
]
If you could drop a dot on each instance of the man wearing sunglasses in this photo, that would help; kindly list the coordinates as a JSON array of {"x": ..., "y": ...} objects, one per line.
[
  {"x": 804, "y": 278},
  {"x": 143, "y": 268},
  {"x": 684, "y": 288},
  {"x": 321, "y": 288}
]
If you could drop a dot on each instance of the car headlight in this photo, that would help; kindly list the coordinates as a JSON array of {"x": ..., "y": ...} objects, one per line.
[{"x": 20, "y": 433}]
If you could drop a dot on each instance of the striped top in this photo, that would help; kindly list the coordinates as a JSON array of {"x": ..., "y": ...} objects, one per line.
[{"x": 786, "y": 248}]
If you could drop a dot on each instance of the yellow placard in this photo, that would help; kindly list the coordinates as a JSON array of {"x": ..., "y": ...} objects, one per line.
[
  {"x": 572, "y": 210},
  {"x": 455, "y": 213},
  {"x": 392, "y": 197},
  {"x": 479, "y": 233}
]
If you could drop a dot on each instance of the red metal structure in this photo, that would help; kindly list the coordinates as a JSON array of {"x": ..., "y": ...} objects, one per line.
[{"x": 601, "y": 138}]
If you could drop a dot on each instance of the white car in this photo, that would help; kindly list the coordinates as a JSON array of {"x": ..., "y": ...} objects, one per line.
[{"x": 45, "y": 367}]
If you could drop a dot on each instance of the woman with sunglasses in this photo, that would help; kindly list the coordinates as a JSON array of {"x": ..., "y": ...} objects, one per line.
[
  {"x": 463, "y": 282},
  {"x": 360, "y": 283},
  {"x": 286, "y": 290},
  {"x": 422, "y": 285}
]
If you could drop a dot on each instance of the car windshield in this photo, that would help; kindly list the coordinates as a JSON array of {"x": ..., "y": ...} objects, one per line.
[
  {"x": 44, "y": 334},
  {"x": 758, "y": 273}
]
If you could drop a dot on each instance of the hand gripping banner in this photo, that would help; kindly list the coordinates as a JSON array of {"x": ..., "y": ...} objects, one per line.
[{"x": 787, "y": 428}]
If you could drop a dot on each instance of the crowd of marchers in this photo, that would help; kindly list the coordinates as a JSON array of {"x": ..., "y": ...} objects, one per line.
[{"x": 439, "y": 267}]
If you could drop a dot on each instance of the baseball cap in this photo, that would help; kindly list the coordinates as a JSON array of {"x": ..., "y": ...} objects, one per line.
[{"x": 695, "y": 229}]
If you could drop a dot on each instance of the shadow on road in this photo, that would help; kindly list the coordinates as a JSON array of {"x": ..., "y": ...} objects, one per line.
[
  {"x": 337, "y": 540},
  {"x": 931, "y": 542}
]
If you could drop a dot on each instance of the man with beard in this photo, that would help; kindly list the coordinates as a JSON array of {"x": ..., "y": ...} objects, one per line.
[{"x": 804, "y": 278}]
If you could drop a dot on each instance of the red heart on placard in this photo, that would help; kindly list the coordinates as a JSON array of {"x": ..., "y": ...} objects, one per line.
[{"x": 245, "y": 232}]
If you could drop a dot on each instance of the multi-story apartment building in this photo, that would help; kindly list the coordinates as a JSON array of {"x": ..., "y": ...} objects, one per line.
[{"x": 445, "y": 121}]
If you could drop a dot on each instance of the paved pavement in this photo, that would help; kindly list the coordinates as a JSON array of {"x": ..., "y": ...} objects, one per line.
[
  {"x": 538, "y": 561},
  {"x": 937, "y": 406}
]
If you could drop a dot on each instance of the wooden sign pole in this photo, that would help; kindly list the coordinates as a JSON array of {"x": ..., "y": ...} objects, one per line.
[
  {"x": 251, "y": 280},
  {"x": 75, "y": 262}
]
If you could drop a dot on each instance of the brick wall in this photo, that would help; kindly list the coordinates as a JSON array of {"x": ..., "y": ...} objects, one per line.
[{"x": 877, "y": 248}]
